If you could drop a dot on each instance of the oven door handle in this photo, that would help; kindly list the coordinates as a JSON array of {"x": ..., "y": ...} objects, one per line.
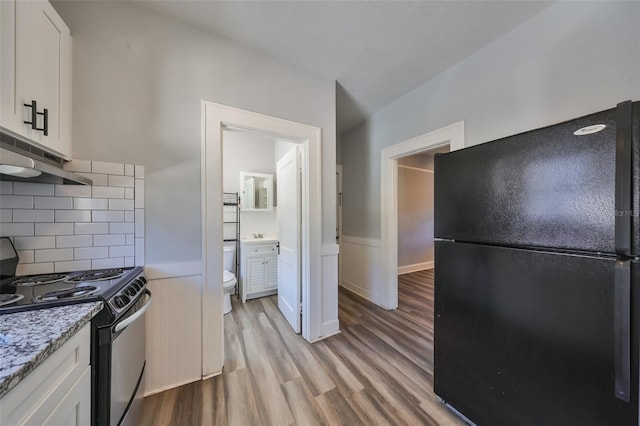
[{"x": 124, "y": 324}]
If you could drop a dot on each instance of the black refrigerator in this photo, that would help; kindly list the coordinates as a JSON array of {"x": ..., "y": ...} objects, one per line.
[{"x": 537, "y": 304}]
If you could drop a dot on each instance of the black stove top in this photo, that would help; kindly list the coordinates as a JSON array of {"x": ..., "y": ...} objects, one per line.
[{"x": 48, "y": 290}]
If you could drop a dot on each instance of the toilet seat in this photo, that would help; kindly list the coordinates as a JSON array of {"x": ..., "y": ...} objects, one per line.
[
  {"x": 228, "y": 284},
  {"x": 228, "y": 279}
]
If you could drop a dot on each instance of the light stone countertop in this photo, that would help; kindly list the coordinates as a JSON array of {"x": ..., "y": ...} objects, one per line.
[{"x": 28, "y": 338}]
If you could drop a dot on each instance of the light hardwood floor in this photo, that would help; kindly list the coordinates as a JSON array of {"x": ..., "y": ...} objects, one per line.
[{"x": 378, "y": 371}]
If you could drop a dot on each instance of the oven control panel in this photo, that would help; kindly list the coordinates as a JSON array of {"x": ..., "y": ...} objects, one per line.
[{"x": 129, "y": 294}]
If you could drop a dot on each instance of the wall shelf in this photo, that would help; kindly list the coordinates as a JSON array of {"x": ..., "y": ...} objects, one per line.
[{"x": 231, "y": 222}]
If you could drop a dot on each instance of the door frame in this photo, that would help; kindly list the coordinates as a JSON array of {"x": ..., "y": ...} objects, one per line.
[
  {"x": 214, "y": 117},
  {"x": 339, "y": 219},
  {"x": 452, "y": 135}
]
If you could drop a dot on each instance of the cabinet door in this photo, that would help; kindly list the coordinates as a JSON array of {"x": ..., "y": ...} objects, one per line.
[
  {"x": 75, "y": 407},
  {"x": 255, "y": 274},
  {"x": 271, "y": 272},
  {"x": 36, "y": 65},
  {"x": 50, "y": 58},
  {"x": 56, "y": 391},
  {"x": 15, "y": 20}
]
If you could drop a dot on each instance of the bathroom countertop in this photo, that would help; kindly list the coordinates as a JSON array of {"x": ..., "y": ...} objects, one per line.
[
  {"x": 28, "y": 338},
  {"x": 266, "y": 239}
]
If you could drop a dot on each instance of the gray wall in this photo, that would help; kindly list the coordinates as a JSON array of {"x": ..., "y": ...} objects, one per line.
[
  {"x": 138, "y": 82},
  {"x": 572, "y": 59},
  {"x": 247, "y": 152},
  {"x": 415, "y": 215}
]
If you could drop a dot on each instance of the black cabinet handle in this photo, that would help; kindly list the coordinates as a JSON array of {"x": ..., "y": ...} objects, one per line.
[
  {"x": 34, "y": 118},
  {"x": 34, "y": 114},
  {"x": 45, "y": 119}
]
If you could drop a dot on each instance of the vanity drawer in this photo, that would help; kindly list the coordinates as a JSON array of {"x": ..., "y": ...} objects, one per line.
[{"x": 269, "y": 248}]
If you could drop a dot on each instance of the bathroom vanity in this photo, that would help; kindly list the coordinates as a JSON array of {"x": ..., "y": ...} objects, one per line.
[{"x": 258, "y": 268}]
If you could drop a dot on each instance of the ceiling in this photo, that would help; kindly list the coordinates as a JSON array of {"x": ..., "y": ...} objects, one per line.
[{"x": 376, "y": 51}]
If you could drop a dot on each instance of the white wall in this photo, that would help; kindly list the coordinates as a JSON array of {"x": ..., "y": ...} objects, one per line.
[
  {"x": 138, "y": 80},
  {"x": 572, "y": 59}
]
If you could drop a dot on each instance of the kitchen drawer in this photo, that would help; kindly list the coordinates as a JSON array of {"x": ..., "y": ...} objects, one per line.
[{"x": 37, "y": 397}]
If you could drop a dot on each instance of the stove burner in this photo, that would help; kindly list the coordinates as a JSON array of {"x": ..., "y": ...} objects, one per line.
[
  {"x": 107, "y": 274},
  {"x": 39, "y": 279},
  {"x": 66, "y": 293},
  {"x": 7, "y": 299}
]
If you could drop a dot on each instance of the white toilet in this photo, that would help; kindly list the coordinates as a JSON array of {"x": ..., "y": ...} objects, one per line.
[{"x": 229, "y": 280}]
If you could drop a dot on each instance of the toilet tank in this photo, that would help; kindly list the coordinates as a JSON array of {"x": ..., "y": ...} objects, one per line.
[{"x": 228, "y": 261}]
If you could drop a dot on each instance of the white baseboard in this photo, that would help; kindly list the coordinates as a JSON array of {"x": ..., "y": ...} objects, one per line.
[
  {"x": 365, "y": 293},
  {"x": 174, "y": 385},
  {"x": 407, "y": 269},
  {"x": 330, "y": 328},
  {"x": 208, "y": 376}
]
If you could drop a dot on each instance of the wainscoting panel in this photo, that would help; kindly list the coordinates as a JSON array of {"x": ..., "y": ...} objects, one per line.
[
  {"x": 174, "y": 333},
  {"x": 330, "y": 324},
  {"x": 362, "y": 272}
]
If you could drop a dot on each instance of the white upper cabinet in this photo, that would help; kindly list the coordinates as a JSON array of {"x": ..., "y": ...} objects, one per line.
[{"x": 36, "y": 67}]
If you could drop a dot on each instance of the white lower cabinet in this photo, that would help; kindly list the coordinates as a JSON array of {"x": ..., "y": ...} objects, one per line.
[
  {"x": 258, "y": 268},
  {"x": 57, "y": 392}
]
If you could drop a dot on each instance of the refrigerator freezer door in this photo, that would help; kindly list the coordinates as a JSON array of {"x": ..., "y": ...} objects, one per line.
[
  {"x": 525, "y": 337},
  {"x": 546, "y": 188}
]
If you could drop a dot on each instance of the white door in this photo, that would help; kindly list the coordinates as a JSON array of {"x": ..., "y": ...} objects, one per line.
[{"x": 288, "y": 185}]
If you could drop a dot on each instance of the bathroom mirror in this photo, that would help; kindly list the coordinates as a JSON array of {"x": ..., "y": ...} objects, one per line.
[{"x": 256, "y": 191}]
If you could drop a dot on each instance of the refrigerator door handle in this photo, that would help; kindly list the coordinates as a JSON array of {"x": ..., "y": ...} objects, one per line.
[
  {"x": 623, "y": 179},
  {"x": 622, "y": 329}
]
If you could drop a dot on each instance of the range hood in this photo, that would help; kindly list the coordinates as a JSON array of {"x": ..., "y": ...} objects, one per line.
[{"x": 21, "y": 162}]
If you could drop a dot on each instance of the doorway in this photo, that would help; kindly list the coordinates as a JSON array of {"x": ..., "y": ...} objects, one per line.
[
  {"x": 215, "y": 117},
  {"x": 415, "y": 210},
  {"x": 451, "y": 136},
  {"x": 264, "y": 233}
]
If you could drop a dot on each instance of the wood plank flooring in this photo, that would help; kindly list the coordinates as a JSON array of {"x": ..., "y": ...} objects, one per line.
[{"x": 378, "y": 371}]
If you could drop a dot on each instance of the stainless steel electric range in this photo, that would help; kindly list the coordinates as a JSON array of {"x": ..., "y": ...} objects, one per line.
[{"x": 118, "y": 332}]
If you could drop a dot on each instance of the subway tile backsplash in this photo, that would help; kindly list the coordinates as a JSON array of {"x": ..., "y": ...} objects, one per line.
[{"x": 59, "y": 228}]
